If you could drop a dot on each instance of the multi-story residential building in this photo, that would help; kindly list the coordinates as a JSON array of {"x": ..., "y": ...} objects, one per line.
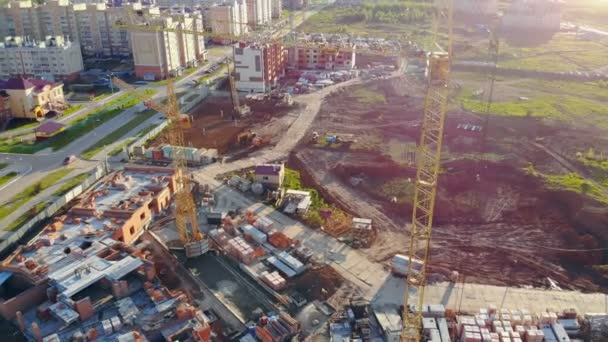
[
  {"x": 225, "y": 19},
  {"x": 476, "y": 7},
  {"x": 258, "y": 67},
  {"x": 277, "y": 9},
  {"x": 192, "y": 46},
  {"x": 90, "y": 24},
  {"x": 53, "y": 58},
  {"x": 540, "y": 15},
  {"x": 160, "y": 54},
  {"x": 323, "y": 56},
  {"x": 32, "y": 99},
  {"x": 258, "y": 12}
]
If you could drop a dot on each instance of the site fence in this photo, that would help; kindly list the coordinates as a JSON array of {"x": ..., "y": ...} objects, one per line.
[{"x": 99, "y": 171}]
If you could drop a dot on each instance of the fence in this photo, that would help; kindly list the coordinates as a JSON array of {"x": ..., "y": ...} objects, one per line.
[{"x": 99, "y": 171}]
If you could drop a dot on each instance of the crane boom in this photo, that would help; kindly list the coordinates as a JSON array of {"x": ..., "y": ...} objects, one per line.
[{"x": 427, "y": 164}]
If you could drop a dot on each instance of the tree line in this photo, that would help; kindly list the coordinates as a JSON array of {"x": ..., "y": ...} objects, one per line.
[{"x": 399, "y": 12}]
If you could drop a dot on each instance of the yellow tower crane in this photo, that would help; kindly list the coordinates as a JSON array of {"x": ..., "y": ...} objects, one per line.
[
  {"x": 186, "y": 219},
  {"x": 427, "y": 163}
]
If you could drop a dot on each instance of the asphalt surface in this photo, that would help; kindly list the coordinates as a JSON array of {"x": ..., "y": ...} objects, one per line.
[{"x": 34, "y": 167}]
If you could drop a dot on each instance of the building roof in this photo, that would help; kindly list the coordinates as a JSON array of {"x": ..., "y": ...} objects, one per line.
[
  {"x": 18, "y": 83},
  {"x": 49, "y": 128},
  {"x": 268, "y": 169}
]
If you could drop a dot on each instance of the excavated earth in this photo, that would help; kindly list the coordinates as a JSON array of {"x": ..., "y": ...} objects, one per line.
[{"x": 495, "y": 221}]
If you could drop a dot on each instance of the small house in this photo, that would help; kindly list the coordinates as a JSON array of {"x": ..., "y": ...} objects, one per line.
[{"x": 270, "y": 175}]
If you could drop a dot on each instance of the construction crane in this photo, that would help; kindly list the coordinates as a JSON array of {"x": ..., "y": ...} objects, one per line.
[
  {"x": 186, "y": 219},
  {"x": 234, "y": 95},
  {"x": 427, "y": 163}
]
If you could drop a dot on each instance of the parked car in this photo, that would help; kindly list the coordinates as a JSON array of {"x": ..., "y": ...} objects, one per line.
[{"x": 69, "y": 160}]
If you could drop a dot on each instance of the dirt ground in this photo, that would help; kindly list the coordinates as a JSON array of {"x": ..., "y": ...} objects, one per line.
[
  {"x": 494, "y": 222},
  {"x": 214, "y": 126}
]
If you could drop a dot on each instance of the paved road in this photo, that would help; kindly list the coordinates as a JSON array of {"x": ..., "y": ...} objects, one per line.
[{"x": 36, "y": 166}]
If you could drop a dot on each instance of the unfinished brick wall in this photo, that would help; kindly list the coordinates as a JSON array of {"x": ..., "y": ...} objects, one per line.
[
  {"x": 23, "y": 301},
  {"x": 84, "y": 308}
]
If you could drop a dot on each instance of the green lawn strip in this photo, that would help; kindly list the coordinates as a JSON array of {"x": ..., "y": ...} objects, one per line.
[
  {"x": 7, "y": 177},
  {"x": 175, "y": 79},
  {"x": 117, "y": 134},
  {"x": 146, "y": 130},
  {"x": 31, "y": 191},
  {"x": 120, "y": 147},
  {"x": 70, "y": 184},
  {"x": 3, "y": 165},
  {"x": 23, "y": 124},
  {"x": 575, "y": 183},
  {"x": 21, "y": 220},
  {"x": 73, "y": 109},
  {"x": 77, "y": 127}
]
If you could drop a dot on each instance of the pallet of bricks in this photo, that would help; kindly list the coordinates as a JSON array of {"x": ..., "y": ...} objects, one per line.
[
  {"x": 491, "y": 325},
  {"x": 277, "y": 328}
]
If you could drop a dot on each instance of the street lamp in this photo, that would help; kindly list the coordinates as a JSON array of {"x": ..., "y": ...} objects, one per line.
[{"x": 110, "y": 76}]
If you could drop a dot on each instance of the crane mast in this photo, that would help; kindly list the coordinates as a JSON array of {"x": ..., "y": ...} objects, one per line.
[
  {"x": 427, "y": 164},
  {"x": 186, "y": 219}
]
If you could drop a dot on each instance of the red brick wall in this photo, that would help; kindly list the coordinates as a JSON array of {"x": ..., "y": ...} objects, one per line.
[
  {"x": 25, "y": 300},
  {"x": 140, "y": 71}
]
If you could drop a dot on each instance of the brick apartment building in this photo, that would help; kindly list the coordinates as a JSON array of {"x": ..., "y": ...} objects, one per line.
[
  {"x": 258, "y": 67},
  {"x": 324, "y": 57}
]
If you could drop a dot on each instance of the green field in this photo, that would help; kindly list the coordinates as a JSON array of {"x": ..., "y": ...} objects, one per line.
[
  {"x": 117, "y": 134},
  {"x": 569, "y": 102},
  {"x": 31, "y": 191},
  {"x": 78, "y": 127},
  {"x": 21, "y": 220},
  {"x": 70, "y": 184},
  {"x": 575, "y": 183},
  {"x": 73, "y": 109},
  {"x": 368, "y": 96},
  {"x": 345, "y": 20},
  {"x": 7, "y": 177}
]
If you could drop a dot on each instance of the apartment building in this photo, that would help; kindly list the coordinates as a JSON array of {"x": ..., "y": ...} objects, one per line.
[
  {"x": 32, "y": 99},
  {"x": 542, "y": 15},
  {"x": 90, "y": 24},
  {"x": 323, "y": 57},
  {"x": 191, "y": 46},
  {"x": 53, "y": 58},
  {"x": 258, "y": 13},
  {"x": 476, "y": 7},
  {"x": 258, "y": 67},
  {"x": 277, "y": 9},
  {"x": 161, "y": 54},
  {"x": 227, "y": 18}
]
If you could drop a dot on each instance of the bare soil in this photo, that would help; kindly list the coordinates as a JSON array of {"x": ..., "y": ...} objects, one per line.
[
  {"x": 214, "y": 126},
  {"x": 494, "y": 223}
]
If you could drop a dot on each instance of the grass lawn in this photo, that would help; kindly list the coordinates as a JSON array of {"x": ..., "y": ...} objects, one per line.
[
  {"x": 31, "y": 191},
  {"x": 573, "y": 182},
  {"x": 572, "y": 109},
  {"x": 77, "y": 127},
  {"x": 73, "y": 109},
  {"x": 120, "y": 147},
  {"x": 146, "y": 130},
  {"x": 17, "y": 124},
  {"x": 7, "y": 177},
  {"x": 175, "y": 79},
  {"x": 117, "y": 134},
  {"x": 69, "y": 185},
  {"x": 368, "y": 96},
  {"x": 21, "y": 220}
]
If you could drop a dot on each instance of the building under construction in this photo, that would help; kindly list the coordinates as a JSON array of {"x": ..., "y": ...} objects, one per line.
[{"x": 95, "y": 273}]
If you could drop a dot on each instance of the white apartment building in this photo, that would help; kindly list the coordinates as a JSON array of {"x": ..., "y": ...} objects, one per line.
[
  {"x": 476, "y": 7},
  {"x": 161, "y": 54},
  {"x": 226, "y": 19},
  {"x": 89, "y": 24},
  {"x": 54, "y": 58},
  {"x": 258, "y": 67},
  {"x": 277, "y": 9},
  {"x": 258, "y": 13}
]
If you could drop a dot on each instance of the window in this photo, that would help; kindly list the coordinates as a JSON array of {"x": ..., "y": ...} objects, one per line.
[
  {"x": 142, "y": 216},
  {"x": 265, "y": 178},
  {"x": 132, "y": 230},
  {"x": 258, "y": 63}
]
